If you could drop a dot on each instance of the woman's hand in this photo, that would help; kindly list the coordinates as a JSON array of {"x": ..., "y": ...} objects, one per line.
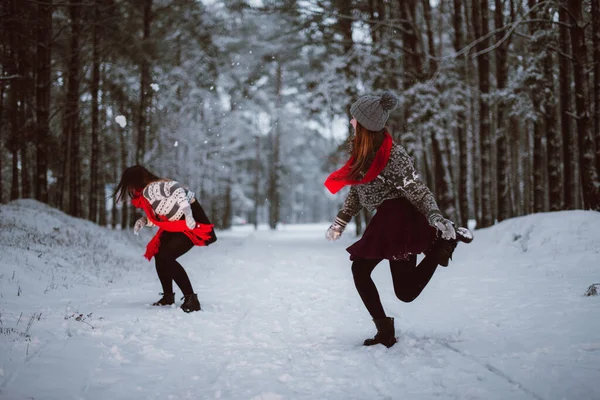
[
  {"x": 446, "y": 228},
  {"x": 139, "y": 224},
  {"x": 189, "y": 218},
  {"x": 335, "y": 230}
]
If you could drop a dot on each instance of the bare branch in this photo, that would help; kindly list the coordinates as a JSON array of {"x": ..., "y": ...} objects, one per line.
[
  {"x": 515, "y": 26},
  {"x": 561, "y": 53},
  {"x": 10, "y": 77},
  {"x": 511, "y": 28}
]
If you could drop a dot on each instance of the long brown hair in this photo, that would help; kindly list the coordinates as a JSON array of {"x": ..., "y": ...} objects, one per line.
[
  {"x": 364, "y": 147},
  {"x": 133, "y": 179}
]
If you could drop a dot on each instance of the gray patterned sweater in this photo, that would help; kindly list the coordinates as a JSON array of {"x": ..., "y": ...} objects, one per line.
[
  {"x": 168, "y": 198},
  {"x": 398, "y": 179}
]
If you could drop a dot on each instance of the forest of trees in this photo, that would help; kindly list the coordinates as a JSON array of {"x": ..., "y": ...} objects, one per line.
[{"x": 246, "y": 101}]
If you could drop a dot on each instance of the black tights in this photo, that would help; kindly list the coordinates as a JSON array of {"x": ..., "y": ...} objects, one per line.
[
  {"x": 409, "y": 280},
  {"x": 172, "y": 246}
]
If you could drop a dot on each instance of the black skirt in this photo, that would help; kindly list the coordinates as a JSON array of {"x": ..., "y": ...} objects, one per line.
[{"x": 396, "y": 231}]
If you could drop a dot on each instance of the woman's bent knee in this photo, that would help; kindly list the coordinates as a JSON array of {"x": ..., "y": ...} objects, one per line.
[{"x": 406, "y": 296}]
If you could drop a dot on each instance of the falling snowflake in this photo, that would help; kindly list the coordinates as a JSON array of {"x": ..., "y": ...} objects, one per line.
[{"x": 121, "y": 120}]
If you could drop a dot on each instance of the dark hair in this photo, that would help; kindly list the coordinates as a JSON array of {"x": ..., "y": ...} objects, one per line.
[
  {"x": 363, "y": 150},
  {"x": 133, "y": 179}
]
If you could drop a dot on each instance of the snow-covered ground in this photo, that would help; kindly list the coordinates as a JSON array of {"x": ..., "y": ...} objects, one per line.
[{"x": 281, "y": 318}]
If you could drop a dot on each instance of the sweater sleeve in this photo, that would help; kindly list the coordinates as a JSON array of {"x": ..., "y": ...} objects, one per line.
[
  {"x": 405, "y": 178},
  {"x": 351, "y": 206},
  {"x": 174, "y": 189}
]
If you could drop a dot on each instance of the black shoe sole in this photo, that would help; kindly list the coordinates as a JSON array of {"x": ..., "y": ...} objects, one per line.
[
  {"x": 189, "y": 310},
  {"x": 373, "y": 342}
]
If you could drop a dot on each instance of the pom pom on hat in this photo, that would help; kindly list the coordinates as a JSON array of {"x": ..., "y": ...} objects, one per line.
[{"x": 388, "y": 101}]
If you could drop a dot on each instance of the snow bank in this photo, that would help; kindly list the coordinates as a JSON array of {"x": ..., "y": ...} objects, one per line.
[{"x": 44, "y": 249}]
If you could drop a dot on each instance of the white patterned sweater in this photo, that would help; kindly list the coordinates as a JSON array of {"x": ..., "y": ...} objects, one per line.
[
  {"x": 398, "y": 179},
  {"x": 168, "y": 198}
]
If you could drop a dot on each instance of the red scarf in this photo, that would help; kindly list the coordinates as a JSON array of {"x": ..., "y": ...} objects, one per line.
[
  {"x": 199, "y": 235},
  {"x": 337, "y": 180}
]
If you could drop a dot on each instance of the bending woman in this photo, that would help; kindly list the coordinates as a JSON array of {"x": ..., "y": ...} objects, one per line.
[{"x": 182, "y": 224}]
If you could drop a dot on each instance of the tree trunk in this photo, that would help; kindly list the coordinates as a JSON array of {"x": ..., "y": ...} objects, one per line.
[
  {"x": 587, "y": 156},
  {"x": 94, "y": 89},
  {"x": 480, "y": 25},
  {"x": 20, "y": 63},
  {"x": 13, "y": 98},
  {"x": 502, "y": 189},
  {"x": 124, "y": 211},
  {"x": 14, "y": 188},
  {"x": 564, "y": 79},
  {"x": 461, "y": 131},
  {"x": 228, "y": 208},
  {"x": 257, "y": 176},
  {"x": 274, "y": 196},
  {"x": 596, "y": 52},
  {"x": 430, "y": 41},
  {"x": 104, "y": 172},
  {"x": 25, "y": 171},
  {"x": 374, "y": 14},
  {"x": 72, "y": 110},
  {"x": 413, "y": 56},
  {"x": 114, "y": 217},
  {"x": 472, "y": 137},
  {"x": 443, "y": 180},
  {"x": 43, "y": 92},
  {"x": 536, "y": 85},
  {"x": 2, "y": 87},
  {"x": 145, "y": 91},
  {"x": 553, "y": 135}
]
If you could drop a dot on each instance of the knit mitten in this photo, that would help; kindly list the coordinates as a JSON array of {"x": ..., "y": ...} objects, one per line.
[
  {"x": 139, "y": 224},
  {"x": 336, "y": 229},
  {"x": 189, "y": 218},
  {"x": 446, "y": 227}
]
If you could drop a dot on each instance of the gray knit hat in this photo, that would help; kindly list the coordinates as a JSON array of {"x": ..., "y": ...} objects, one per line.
[{"x": 372, "y": 112}]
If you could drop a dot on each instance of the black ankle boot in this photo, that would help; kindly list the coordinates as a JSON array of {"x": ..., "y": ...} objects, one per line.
[
  {"x": 190, "y": 303},
  {"x": 386, "y": 334},
  {"x": 443, "y": 249},
  {"x": 166, "y": 300}
]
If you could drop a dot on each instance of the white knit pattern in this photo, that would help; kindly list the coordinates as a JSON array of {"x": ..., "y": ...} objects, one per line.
[{"x": 168, "y": 198}]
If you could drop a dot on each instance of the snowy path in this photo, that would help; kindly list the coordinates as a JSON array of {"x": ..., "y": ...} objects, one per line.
[{"x": 281, "y": 320}]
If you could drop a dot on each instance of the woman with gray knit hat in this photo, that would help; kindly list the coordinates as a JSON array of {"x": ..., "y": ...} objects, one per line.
[{"x": 408, "y": 221}]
